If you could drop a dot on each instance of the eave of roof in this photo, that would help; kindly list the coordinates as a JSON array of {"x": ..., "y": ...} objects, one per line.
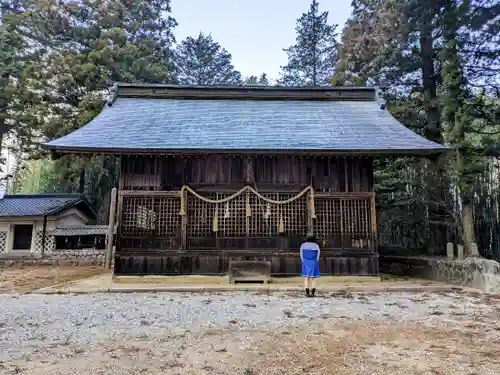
[
  {"x": 87, "y": 230},
  {"x": 312, "y": 152}
]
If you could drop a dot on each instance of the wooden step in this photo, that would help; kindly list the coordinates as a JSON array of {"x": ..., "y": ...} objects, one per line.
[{"x": 249, "y": 271}]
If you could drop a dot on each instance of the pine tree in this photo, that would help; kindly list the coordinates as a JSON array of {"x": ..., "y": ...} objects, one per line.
[
  {"x": 430, "y": 56},
  {"x": 252, "y": 80},
  {"x": 263, "y": 80},
  {"x": 203, "y": 61},
  {"x": 465, "y": 114},
  {"x": 12, "y": 61},
  {"x": 312, "y": 59},
  {"x": 80, "y": 47}
]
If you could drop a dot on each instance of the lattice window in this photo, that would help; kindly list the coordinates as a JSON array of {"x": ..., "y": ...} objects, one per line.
[
  {"x": 328, "y": 218},
  {"x": 346, "y": 222},
  {"x": 200, "y": 216},
  {"x": 233, "y": 216},
  {"x": 265, "y": 219},
  {"x": 138, "y": 216},
  {"x": 3, "y": 242},
  {"x": 167, "y": 216},
  {"x": 150, "y": 216},
  {"x": 50, "y": 243},
  {"x": 356, "y": 222}
]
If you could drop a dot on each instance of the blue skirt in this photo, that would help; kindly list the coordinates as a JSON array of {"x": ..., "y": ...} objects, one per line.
[{"x": 310, "y": 268}]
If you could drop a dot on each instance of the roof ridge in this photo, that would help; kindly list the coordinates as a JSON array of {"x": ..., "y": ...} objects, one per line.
[
  {"x": 308, "y": 93},
  {"x": 243, "y": 87}
]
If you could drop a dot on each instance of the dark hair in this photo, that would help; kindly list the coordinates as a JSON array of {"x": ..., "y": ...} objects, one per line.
[{"x": 310, "y": 237}]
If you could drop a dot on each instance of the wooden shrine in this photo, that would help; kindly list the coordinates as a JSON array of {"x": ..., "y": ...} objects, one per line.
[{"x": 211, "y": 175}]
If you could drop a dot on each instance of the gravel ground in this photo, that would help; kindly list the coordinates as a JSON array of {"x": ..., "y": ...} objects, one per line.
[{"x": 242, "y": 333}]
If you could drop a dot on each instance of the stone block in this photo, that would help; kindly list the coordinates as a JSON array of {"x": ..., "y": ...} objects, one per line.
[
  {"x": 460, "y": 252},
  {"x": 450, "y": 251},
  {"x": 473, "y": 250}
]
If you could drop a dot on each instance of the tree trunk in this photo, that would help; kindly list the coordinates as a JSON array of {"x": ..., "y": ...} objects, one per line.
[
  {"x": 81, "y": 181},
  {"x": 1, "y": 149},
  {"x": 435, "y": 171},
  {"x": 468, "y": 233}
]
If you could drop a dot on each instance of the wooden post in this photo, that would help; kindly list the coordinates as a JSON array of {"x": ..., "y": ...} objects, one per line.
[
  {"x": 184, "y": 222},
  {"x": 341, "y": 224},
  {"x": 111, "y": 229},
  {"x": 374, "y": 224},
  {"x": 310, "y": 223},
  {"x": 44, "y": 236}
]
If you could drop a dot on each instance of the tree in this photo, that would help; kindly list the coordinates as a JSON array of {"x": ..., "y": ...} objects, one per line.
[
  {"x": 312, "y": 59},
  {"x": 79, "y": 48},
  {"x": 430, "y": 57},
  {"x": 263, "y": 80},
  {"x": 12, "y": 61},
  {"x": 202, "y": 61},
  {"x": 254, "y": 80}
]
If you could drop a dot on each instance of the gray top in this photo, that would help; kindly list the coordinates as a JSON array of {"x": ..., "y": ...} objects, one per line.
[
  {"x": 146, "y": 124},
  {"x": 309, "y": 246},
  {"x": 42, "y": 204}
]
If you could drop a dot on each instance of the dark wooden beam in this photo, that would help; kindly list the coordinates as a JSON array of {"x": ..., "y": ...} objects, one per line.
[{"x": 161, "y": 91}]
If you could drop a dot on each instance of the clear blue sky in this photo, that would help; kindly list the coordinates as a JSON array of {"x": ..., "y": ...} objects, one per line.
[{"x": 253, "y": 31}]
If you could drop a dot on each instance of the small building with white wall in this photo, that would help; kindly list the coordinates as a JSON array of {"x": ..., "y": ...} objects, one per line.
[{"x": 29, "y": 223}]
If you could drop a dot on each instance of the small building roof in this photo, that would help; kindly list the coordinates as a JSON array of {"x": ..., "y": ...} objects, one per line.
[
  {"x": 43, "y": 205},
  {"x": 168, "y": 118},
  {"x": 87, "y": 230}
]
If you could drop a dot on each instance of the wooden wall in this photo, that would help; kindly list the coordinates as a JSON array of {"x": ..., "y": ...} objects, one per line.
[
  {"x": 278, "y": 173},
  {"x": 154, "y": 239},
  {"x": 215, "y": 264}
]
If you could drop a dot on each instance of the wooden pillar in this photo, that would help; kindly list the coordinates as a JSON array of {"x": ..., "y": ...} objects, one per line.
[
  {"x": 44, "y": 236},
  {"x": 310, "y": 226},
  {"x": 249, "y": 180},
  {"x": 374, "y": 224},
  {"x": 184, "y": 223},
  {"x": 249, "y": 170},
  {"x": 111, "y": 229}
]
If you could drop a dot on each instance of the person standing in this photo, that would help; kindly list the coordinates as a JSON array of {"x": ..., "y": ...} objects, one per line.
[{"x": 309, "y": 254}]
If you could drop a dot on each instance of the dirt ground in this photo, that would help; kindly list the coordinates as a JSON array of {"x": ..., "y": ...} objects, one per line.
[
  {"x": 27, "y": 279},
  {"x": 347, "y": 348}
]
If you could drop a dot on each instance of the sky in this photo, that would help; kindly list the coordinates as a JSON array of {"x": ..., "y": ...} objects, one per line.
[{"x": 253, "y": 31}]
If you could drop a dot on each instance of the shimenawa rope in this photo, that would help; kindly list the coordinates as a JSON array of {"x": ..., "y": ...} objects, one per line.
[{"x": 215, "y": 222}]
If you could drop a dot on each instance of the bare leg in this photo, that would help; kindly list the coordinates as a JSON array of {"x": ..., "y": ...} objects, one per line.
[{"x": 306, "y": 282}]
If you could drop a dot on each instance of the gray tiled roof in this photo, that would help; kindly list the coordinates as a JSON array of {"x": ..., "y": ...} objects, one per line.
[
  {"x": 87, "y": 230},
  {"x": 42, "y": 204},
  {"x": 153, "y": 124}
]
